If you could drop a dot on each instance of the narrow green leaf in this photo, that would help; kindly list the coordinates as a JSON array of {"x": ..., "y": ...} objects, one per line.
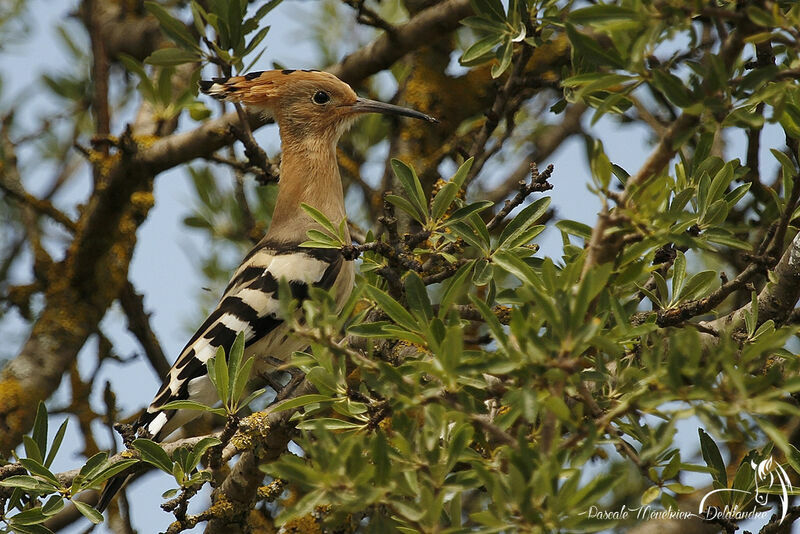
[
  {"x": 170, "y": 57},
  {"x": 491, "y": 320},
  {"x": 590, "y": 49},
  {"x": 255, "y": 41},
  {"x": 466, "y": 211},
  {"x": 174, "y": 28},
  {"x": 240, "y": 383},
  {"x": 88, "y": 512},
  {"x": 453, "y": 287},
  {"x": 319, "y": 217},
  {"x": 329, "y": 424},
  {"x": 407, "y": 207},
  {"x": 223, "y": 380},
  {"x": 721, "y": 182},
  {"x": 235, "y": 362},
  {"x": 491, "y": 9},
  {"x": 713, "y": 458},
  {"x": 298, "y": 402},
  {"x": 678, "y": 273},
  {"x": 153, "y": 454},
  {"x": 28, "y": 518},
  {"x": 108, "y": 472},
  {"x": 59, "y": 437},
  {"x": 418, "y": 301},
  {"x": 29, "y": 484},
  {"x": 39, "y": 433},
  {"x": 31, "y": 448},
  {"x": 504, "y": 54},
  {"x": 411, "y": 184},
  {"x": 672, "y": 88},
  {"x": 200, "y": 448},
  {"x": 37, "y": 469},
  {"x": 250, "y": 398},
  {"x": 53, "y": 505},
  {"x": 188, "y": 405},
  {"x": 575, "y": 228},
  {"x": 697, "y": 285},
  {"x": 392, "y": 308},
  {"x": 524, "y": 219}
]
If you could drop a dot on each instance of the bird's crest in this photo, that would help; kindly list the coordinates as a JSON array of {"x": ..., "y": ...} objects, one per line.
[{"x": 261, "y": 87}]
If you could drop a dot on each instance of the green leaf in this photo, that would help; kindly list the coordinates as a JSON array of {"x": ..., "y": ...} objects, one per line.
[
  {"x": 240, "y": 383},
  {"x": 575, "y": 228},
  {"x": 328, "y": 424},
  {"x": 37, "y": 469},
  {"x": 235, "y": 361},
  {"x": 31, "y": 448},
  {"x": 678, "y": 273},
  {"x": 169, "y": 57},
  {"x": 411, "y": 184},
  {"x": 504, "y": 54},
  {"x": 59, "y": 437},
  {"x": 250, "y": 398},
  {"x": 255, "y": 41},
  {"x": 88, "y": 512},
  {"x": 298, "y": 402},
  {"x": 601, "y": 13},
  {"x": 39, "y": 432},
  {"x": 452, "y": 288},
  {"x": 406, "y": 206},
  {"x": 444, "y": 200},
  {"x": 221, "y": 373},
  {"x": 480, "y": 49},
  {"x": 320, "y": 218},
  {"x": 109, "y": 471},
  {"x": 650, "y": 494},
  {"x": 153, "y": 454},
  {"x": 697, "y": 285},
  {"x": 28, "y": 517},
  {"x": 418, "y": 301},
  {"x": 392, "y": 308},
  {"x": 491, "y": 320},
  {"x": 200, "y": 448},
  {"x": 53, "y": 505},
  {"x": 174, "y": 28},
  {"x": 28, "y": 484},
  {"x": 490, "y": 9},
  {"x": 466, "y": 211},
  {"x": 713, "y": 458},
  {"x": 760, "y": 16},
  {"x": 591, "y": 50},
  {"x": 672, "y": 88},
  {"x": 190, "y": 405},
  {"x": 523, "y": 220},
  {"x": 721, "y": 181},
  {"x": 480, "y": 23}
]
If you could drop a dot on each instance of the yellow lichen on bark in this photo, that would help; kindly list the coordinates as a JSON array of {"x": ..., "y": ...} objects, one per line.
[{"x": 15, "y": 414}]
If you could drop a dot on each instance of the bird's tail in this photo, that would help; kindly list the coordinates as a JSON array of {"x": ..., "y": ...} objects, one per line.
[{"x": 112, "y": 488}]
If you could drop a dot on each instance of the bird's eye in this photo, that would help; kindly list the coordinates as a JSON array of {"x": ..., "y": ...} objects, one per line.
[{"x": 321, "y": 97}]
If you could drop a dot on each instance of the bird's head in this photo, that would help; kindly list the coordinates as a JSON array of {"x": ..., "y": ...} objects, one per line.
[{"x": 304, "y": 103}]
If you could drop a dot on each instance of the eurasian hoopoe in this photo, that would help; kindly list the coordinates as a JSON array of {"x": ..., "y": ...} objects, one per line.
[{"x": 312, "y": 109}]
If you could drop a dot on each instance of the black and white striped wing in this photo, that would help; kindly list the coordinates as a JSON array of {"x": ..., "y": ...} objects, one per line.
[{"x": 250, "y": 305}]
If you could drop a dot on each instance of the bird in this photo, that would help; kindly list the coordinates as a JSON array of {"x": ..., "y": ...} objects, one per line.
[{"x": 312, "y": 109}]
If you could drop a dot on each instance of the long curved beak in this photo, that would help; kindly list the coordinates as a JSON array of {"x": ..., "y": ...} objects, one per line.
[{"x": 365, "y": 105}]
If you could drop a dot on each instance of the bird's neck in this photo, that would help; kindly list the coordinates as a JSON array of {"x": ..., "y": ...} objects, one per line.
[{"x": 309, "y": 175}]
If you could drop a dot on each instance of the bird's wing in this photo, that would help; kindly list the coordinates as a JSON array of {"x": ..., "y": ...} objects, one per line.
[{"x": 250, "y": 305}]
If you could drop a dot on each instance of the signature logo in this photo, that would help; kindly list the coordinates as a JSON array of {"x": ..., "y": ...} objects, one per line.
[{"x": 769, "y": 475}]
